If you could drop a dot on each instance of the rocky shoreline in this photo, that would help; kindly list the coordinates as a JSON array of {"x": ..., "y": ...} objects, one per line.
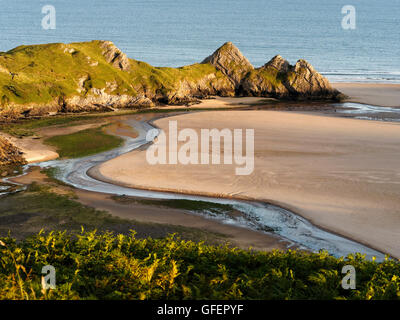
[{"x": 11, "y": 158}]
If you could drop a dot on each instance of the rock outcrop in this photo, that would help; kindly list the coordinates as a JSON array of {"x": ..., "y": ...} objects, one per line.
[
  {"x": 114, "y": 55},
  {"x": 304, "y": 81},
  {"x": 10, "y": 157},
  {"x": 188, "y": 91},
  {"x": 99, "y": 100},
  {"x": 277, "y": 78},
  {"x": 231, "y": 62},
  {"x": 278, "y": 63}
]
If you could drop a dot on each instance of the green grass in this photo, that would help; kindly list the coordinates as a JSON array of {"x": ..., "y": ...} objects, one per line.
[
  {"x": 106, "y": 266},
  {"x": 44, "y": 74},
  {"x": 191, "y": 205},
  {"x": 84, "y": 143},
  {"x": 47, "y": 76},
  {"x": 28, "y": 127},
  {"x": 40, "y": 207},
  {"x": 114, "y": 263}
]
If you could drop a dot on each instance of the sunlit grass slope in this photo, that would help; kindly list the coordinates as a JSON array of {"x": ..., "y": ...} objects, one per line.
[
  {"x": 46, "y": 73},
  {"x": 84, "y": 143}
]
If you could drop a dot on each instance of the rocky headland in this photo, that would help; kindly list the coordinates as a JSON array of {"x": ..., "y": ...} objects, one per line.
[
  {"x": 39, "y": 80},
  {"x": 49, "y": 79}
]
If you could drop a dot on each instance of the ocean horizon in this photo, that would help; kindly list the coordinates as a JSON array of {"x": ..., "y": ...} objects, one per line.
[{"x": 176, "y": 33}]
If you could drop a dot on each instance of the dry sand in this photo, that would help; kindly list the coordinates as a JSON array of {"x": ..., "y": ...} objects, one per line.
[
  {"x": 385, "y": 95},
  {"x": 341, "y": 174}
]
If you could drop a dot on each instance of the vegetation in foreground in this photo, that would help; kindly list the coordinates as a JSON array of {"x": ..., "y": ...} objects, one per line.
[
  {"x": 106, "y": 266},
  {"x": 125, "y": 265},
  {"x": 84, "y": 143}
]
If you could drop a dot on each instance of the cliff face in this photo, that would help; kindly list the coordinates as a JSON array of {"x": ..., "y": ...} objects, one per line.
[
  {"x": 277, "y": 78},
  {"x": 10, "y": 157},
  {"x": 231, "y": 62},
  {"x": 42, "y": 79}
]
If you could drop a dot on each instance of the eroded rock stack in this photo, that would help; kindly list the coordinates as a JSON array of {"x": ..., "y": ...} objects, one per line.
[
  {"x": 277, "y": 78},
  {"x": 231, "y": 62}
]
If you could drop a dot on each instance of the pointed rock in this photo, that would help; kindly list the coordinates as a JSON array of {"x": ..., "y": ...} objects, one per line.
[
  {"x": 278, "y": 63},
  {"x": 115, "y": 56},
  {"x": 279, "y": 79},
  {"x": 230, "y": 61},
  {"x": 304, "y": 80}
]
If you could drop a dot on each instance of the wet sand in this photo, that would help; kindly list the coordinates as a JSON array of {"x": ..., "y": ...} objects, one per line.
[
  {"x": 385, "y": 95},
  {"x": 341, "y": 174},
  {"x": 236, "y": 236}
]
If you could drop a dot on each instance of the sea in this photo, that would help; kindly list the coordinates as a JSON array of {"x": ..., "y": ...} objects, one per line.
[{"x": 360, "y": 44}]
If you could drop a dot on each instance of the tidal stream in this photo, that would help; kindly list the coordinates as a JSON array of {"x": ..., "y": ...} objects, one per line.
[{"x": 255, "y": 215}]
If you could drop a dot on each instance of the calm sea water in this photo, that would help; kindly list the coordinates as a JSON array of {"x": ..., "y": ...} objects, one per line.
[{"x": 180, "y": 32}]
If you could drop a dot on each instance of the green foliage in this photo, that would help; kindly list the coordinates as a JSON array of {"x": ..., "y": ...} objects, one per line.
[
  {"x": 27, "y": 127},
  {"x": 39, "y": 208},
  {"x": 84, "y": 143},
  {"x": 191, "y": 205},
  {"x": 43, "y": 73},
  {"x": 269, "y": 76},
  {"x": 107, "y": 266}
]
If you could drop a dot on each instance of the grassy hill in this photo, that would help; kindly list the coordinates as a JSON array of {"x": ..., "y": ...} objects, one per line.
[
  {"x": 48, "y": 76},
  {"x": 43, "y": 79}
]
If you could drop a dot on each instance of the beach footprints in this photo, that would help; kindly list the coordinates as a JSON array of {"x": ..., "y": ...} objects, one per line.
[
  {"x": 191, "y": 146},
  {"x": 349, "y": 18}
]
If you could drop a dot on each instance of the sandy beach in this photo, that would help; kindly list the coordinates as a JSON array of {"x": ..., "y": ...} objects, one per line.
[
  {"x": 341, "y": 174},
  {"x": 385, "y": 95}
]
